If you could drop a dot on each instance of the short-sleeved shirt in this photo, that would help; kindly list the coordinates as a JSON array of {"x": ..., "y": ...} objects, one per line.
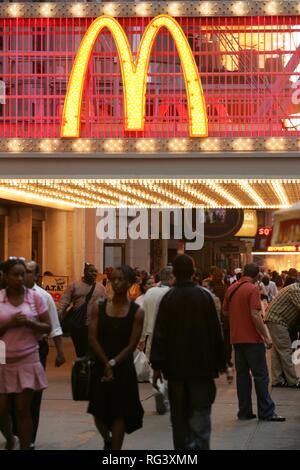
[
  {"x": 76, "y": 294},
  {"x": 285, "y": 308},
  {"x": 21, "y": 341},
  {"x": 52, "y": 312},
  {"x": 245, "y": 299}
]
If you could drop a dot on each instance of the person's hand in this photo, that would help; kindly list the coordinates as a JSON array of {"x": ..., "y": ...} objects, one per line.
[
  {"x": 157, "y": 375},
  {"x": 141, "y": 345},
  {"x": 108, "y": 374},
  {"x": 60, "y": 359},
  {"x": 268, "y": 342},
  {"x": 18, "y": 320}
]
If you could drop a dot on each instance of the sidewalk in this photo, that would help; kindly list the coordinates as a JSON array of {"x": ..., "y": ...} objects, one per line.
[{"x": 66, "y": 425}]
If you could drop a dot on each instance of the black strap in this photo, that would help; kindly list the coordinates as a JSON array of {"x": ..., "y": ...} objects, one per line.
[
  {"x": 89, "y": 295},
  {"x": 234, "y": 290}
]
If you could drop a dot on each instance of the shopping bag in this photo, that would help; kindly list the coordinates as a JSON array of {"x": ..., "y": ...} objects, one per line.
[
  {"x": 142, "y": 367},
  {"x": 161, "y": 396}
]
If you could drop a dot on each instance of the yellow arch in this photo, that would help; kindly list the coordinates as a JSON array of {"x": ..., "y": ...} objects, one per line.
[{"x": 134, "y": 75}]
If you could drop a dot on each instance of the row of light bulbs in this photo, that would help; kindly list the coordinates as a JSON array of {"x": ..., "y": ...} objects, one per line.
[
  {"x": 180, "y": 145},
  {"x": 146, "y": 192},
  {"x": 143, "y": 9}
]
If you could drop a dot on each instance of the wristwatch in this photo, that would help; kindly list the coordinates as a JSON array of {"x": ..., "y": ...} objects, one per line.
[{"x": 112, "y": 362}]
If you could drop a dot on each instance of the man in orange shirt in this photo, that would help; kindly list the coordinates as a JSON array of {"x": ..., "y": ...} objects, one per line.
[{"x": 248, "y": 334}]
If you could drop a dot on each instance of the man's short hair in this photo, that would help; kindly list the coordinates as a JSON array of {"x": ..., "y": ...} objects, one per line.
[
  {"x": 87, "y": 266},
  {"x": 183, "y": 267},
  {"x": 292, "y": 272},
  {"x": 265, "y": 280},
  {"x": 166, "y": 273},
  {"x": 251, "y": 270},
  {"x": 37, "y": 269}
]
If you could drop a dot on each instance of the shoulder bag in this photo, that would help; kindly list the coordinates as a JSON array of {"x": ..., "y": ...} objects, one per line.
[{"x": 76, "y": 318}]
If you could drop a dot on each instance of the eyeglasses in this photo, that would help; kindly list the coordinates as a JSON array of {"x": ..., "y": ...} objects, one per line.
[{"x": 16, "y": 258}]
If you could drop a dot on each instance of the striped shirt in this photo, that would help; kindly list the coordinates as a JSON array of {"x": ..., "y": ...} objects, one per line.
[{"x": 285, "y": 308}]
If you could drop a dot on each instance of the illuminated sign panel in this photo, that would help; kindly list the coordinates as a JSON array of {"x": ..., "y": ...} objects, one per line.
[
  {"x": 249, "y": 227},
  {"x": 246, "y": 66},
  {"x": 134, "y": 75},
  {"x": 288, "y": 232},
  {"x": 284, "y": 249},
  {"x": 264, "y": 231}
]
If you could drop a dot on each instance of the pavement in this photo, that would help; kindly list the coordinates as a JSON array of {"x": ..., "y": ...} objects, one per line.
[{"x": 64, "y": 424}]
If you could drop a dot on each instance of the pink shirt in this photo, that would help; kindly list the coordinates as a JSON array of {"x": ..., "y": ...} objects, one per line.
[{"x": 21, "y": 341}]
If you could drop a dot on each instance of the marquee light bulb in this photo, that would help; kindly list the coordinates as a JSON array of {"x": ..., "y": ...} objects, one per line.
[
  {"x": 109, "y": 9},
  {"x": 206, "y": 8},
  {"x": 239, "y": 8},
  {"x": 271, "y": 8},
  {"x": 142, "y": 9},
  {"x": 14, "y": 10},
  {"x": 174, "y": 9},
  {"x": 15, "y": 145},
  {"x": 77, "y": 9},
  {"x": 46, "y": 9}
]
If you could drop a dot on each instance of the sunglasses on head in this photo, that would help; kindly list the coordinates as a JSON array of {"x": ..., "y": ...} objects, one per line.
[{"x": 16, "y": 258}]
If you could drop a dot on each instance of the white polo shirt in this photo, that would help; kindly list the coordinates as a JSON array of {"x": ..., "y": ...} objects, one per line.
[{"x": 51, "y": 307}]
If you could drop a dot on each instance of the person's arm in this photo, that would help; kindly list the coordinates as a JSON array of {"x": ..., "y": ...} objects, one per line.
[
  {"x": 18, "y": 320},
  {"x": 255, "y": 310},
  {"x": 60, "y": 354},
  {"x": 261, "y": 328},
  {"x": 65, "y": 300},
  {"x": 56, "y": 332},
  {"x": 42, "y": 325}
]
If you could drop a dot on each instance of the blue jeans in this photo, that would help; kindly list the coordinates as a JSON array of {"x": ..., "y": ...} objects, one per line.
[
  {"x": 252, "y": 357},
  {"x": 190, "y": 405}
]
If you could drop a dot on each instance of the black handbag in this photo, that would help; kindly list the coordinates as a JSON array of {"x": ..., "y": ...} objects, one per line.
[
  {"x": 81, "y": 378},
  {"x": 76, "y": 318}
]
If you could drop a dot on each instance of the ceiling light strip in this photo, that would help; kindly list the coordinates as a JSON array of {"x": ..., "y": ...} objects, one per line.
[
  {"x": 280, "y": 193},
  {"x": 222, "y": 192},
  {"x": 245, "y": 185}
]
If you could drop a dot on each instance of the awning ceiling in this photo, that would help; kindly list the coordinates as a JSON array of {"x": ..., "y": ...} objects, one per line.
[{"x": 240, "y": 193}]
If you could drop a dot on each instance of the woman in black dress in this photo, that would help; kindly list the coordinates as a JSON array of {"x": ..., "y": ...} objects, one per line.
[{"x": 114, "y": 332}]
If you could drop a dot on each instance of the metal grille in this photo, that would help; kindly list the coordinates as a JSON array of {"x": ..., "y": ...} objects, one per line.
[{"x": 249, "y": 68}]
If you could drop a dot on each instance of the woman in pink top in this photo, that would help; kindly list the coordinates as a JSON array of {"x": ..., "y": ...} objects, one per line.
[{"x": 23, "y": 319}]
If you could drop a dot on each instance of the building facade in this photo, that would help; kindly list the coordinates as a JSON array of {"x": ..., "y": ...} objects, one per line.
[{"x": 185, "y": 104}]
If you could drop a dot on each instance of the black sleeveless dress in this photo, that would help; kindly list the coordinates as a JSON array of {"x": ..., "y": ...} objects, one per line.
[{"x": 120, "y": 398}]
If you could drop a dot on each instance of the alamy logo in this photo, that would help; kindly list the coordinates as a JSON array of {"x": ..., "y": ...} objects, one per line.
[
  {"x": 2, "y": 352},
  {"x": 133, "y": 223}
]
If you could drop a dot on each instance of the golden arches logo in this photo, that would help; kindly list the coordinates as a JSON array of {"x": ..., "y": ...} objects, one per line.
[{"x": 134, "y": 75}]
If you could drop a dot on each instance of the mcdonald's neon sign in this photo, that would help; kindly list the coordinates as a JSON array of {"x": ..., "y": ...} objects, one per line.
[{"x": 134, "y": 75}]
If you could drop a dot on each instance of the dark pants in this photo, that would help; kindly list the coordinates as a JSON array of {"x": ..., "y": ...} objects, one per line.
[
  {"x": 80, "y": 341},
  {"x": 37, "y": 396},
  {"x": 228, "y": 346},
  {"x": 190, "y": 404},
  {"x": 252, "y": 357}
]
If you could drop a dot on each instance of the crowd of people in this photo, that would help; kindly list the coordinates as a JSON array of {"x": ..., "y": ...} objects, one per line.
[{"x": 186, "y": 322}]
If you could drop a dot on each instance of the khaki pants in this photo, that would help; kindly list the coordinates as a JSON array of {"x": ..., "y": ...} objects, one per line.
[{"x": 281, "y": 355}]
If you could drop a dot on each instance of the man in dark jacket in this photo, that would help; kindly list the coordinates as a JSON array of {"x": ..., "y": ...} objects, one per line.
[{"x": 188, "y": 349}]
